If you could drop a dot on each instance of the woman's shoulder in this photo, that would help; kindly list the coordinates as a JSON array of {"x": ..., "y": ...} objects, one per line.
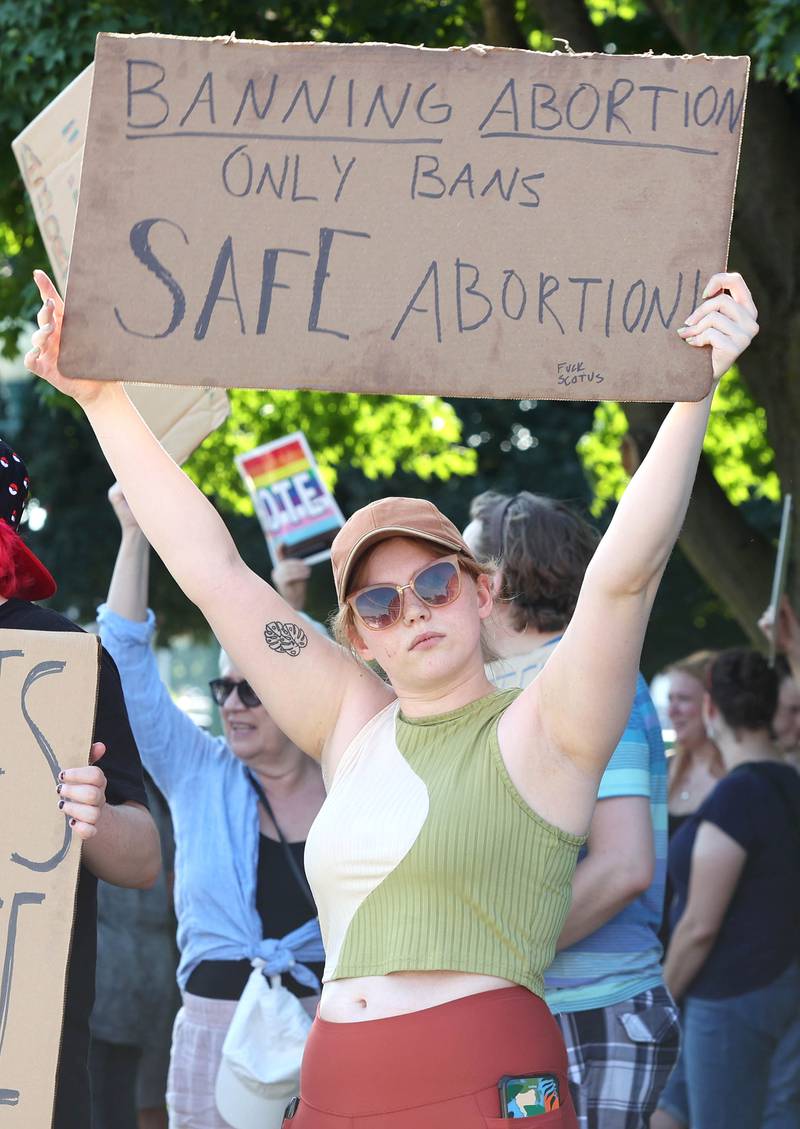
[
  {"x": 755, "y": 790},
  {"x": 363, "y": 740}
]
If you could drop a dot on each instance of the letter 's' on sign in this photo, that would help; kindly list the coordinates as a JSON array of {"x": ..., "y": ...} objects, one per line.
[{"x": 396, "y": 219}]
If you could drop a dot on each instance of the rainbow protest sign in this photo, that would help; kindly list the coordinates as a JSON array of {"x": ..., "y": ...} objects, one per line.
[{"x": 298, "y": 514}]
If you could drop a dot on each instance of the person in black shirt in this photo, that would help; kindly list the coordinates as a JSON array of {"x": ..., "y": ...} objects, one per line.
[
  {"x": 735, "y": 866},
  {"x": 105, "y": 800}
]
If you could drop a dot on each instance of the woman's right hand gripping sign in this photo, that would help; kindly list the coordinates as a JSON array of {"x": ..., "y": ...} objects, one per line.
[{"x": 726, "y": 320}]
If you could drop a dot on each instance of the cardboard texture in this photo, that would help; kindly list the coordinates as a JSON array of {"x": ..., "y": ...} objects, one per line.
[
  {"x": 476, "y": 222},
  {"x": 180, "y": 418},
  {"x": 297, "y": 512},
  {"x": 49, "y": 153},
  {"x": 48, "y": 692}
]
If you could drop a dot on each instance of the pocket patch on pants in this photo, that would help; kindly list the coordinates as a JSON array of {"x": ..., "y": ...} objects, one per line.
[{"x": 652, "y": 1025}]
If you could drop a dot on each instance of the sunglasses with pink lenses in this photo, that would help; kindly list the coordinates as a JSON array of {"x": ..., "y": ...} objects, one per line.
[{"x": 381, "y": 605}]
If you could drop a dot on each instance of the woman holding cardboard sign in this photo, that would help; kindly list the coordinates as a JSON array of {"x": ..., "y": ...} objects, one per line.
[{"x": 442, "y": 859}]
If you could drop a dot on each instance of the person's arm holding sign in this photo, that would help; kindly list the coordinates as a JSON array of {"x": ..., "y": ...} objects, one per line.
[
  {"x": 257, "y": 628},
  {"x": 130, "y": 580},
  {"x": 786, "y": 629},
  {"x": 172, "y": 746},
  {"x": 120, "y": 840},
  {"x": 575, "y": 707},
  {"x": 290, "y": 577}
]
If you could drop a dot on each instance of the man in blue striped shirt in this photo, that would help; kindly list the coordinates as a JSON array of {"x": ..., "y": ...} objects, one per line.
[{"x": 605, "y": 986}]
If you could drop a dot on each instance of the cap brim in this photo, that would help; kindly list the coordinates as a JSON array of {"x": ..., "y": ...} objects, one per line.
[
  {"x": 34, "y": 581},
  {"x": 246, "y": 1108},
  {"x": 376, "y": 535}
]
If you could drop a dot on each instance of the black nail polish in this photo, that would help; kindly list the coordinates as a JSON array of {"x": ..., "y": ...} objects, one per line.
[
  {"x": 72, "y": 822},
  {"x": 61, "y": 804},
  {"x": 59, "y": 787}
]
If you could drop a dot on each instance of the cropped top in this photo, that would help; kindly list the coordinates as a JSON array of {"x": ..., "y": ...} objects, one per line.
[{"x": 424, "y": 855}]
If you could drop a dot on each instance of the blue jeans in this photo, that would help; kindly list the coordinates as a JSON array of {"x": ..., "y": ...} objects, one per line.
[
  {"x": 674, "y": 1098},
  {"x": 739, "y": 1058}
]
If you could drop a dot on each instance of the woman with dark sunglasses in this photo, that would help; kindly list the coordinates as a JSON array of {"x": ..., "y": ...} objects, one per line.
[
  {"x": 237, "y": 894},
  {"x": 442, "y": 858}
]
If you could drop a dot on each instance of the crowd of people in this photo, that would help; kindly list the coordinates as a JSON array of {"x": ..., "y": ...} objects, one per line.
[{"x": 439, "y": 853}]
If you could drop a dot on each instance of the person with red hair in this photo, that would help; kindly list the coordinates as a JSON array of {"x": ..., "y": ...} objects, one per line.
[{"x": 106, "y": 806}]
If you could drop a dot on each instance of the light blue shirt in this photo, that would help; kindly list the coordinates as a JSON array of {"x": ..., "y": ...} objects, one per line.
[{"x": 215, "y": 818}]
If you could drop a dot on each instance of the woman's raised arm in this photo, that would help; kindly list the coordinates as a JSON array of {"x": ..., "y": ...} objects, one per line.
[
  {"x": 315, "y": 691},
  {"x": 582, "y": 699}
]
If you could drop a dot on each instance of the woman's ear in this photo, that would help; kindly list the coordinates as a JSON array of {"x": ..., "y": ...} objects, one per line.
[
  {"x": 710, "y": 713},
  {"x": 358, "y": 643},
  {"x": 485, "y": 591},
  {"x": 496, "y": 583}
]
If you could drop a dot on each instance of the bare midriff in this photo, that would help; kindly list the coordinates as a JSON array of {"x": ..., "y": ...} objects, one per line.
[{"x": 379, "y": 997}]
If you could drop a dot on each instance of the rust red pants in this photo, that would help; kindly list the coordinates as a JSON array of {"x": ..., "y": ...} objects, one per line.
[{"x": 432, "y": 1069}]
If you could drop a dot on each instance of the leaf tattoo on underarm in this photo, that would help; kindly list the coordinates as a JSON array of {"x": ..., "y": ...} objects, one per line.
[{"x": 285, "y": 638}]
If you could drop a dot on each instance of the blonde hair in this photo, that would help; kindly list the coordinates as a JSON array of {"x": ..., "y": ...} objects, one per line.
[
  {"x": 697, "y": 666},
  {"x": 342, "y": 622}
]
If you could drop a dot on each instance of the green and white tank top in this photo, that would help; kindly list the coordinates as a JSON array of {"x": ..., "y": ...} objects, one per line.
[{"x": 424, "y": 855}]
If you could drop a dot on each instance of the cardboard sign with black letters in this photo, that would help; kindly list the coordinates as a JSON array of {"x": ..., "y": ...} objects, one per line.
[
  {"x": 49, "y": 152},
  {"x": 48, "y": 695},
  {"x": 476, "y": 222}
]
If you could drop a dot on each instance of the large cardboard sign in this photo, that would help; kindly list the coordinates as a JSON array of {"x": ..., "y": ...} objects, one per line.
[
  {"x": 297, "y": 512},
  {"x": 48, "y": 693},
  {"x": 477, "y": 222},
  {"x": 49, "y": 153}
]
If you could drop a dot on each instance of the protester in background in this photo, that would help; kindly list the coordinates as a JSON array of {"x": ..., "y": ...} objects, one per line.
[
  {"x": 443, "y": 857},
  {"x": 105, "y": 801},
  {"x": 695, "y": 764},
  {"x": 236, "y": 897},
  {"x": 695, "y": 767},
  {"x": 733, "y": 954},
  {"x": 786, "y": 722},
  {"x": 135, "y": 994},
  {"x": 605, "y": 985}
]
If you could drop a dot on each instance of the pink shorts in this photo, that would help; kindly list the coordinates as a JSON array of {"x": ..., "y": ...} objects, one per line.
[{"x": 432, "y": 1069}]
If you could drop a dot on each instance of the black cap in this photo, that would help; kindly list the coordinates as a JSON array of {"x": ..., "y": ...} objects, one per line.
[{"x": 33, "y": 580}]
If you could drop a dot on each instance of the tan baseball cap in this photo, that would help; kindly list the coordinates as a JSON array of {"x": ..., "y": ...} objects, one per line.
[{"x": 389, "y": 517}]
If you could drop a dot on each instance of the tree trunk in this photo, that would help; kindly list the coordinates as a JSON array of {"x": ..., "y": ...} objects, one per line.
[
  {"x": 500, "y": 24},
  {"x": 765, "y": 248},
  {"x": 735, "y": 560},
  {"x": 567, "y": 19}
]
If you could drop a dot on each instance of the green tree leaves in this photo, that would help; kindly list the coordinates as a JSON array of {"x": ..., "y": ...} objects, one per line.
[
  {"x": 377, "y": 435},
  {"x": 736, "y": 445}
]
